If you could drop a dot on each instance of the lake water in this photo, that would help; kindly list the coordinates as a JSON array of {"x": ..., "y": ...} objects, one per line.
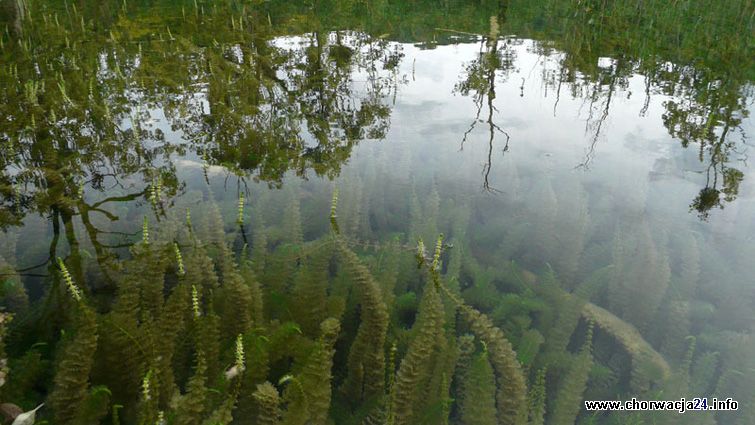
[{"x": 377, "y": 212}]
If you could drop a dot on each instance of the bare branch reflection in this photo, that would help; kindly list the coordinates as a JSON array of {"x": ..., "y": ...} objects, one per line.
[{"x": 480, "y": 80}]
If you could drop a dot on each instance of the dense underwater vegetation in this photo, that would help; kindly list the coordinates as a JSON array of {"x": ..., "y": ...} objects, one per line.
[{"x": 375, "y": 212}]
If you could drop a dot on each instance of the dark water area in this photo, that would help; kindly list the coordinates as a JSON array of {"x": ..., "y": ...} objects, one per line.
[{"x": 376, "y": 212}]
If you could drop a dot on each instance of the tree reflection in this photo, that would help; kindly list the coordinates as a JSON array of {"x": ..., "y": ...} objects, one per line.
[
  {"x": 83, "y": 110},
  {"x": 707, "y": 95},
  {"x": 480, "y": 79},
  {"x": 596, "y": 59},
  {"x": 705, "y": 112}
]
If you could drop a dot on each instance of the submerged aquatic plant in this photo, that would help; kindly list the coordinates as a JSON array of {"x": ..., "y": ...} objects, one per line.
[
  {"x": 267, "y": 400},
  {"x": 72, "y": 288},
  {"x": 436, "y": 256},
  {"x": 239, "y": 352},
  {"x": 153, "y": 194},
  {"x": 510, "y": 382},
  {"x": 333, "y": 211},
  {"x": 479, "y": 399},
  {"x": 71, "y": 383},
  {"x": 537, "y": 399},
  {"x": 308, "y": 401},
  {"x": 366, "y": 360},
  {"x": 145, "y": 231},
  {"x": 240, "y": 212},
  {"x": 421, "y": 253},
  {"x": 146, "y": 393},
  {"x": 334, "y": 205},
  {"x": 207, "y": 349},
  {"x": 188, "y": 220},
  {"x": 416, "y": 366},
  {"x": 179, "y": 260},
  {"x": 566, "y": 404},
  {"x": 195, "y": 302}
]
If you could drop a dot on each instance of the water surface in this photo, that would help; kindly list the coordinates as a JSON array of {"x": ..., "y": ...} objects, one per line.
[{"x": 281, "y": 173}]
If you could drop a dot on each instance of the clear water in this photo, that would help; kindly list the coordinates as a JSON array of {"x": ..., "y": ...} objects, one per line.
[{"x": 597, "y": 205}]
